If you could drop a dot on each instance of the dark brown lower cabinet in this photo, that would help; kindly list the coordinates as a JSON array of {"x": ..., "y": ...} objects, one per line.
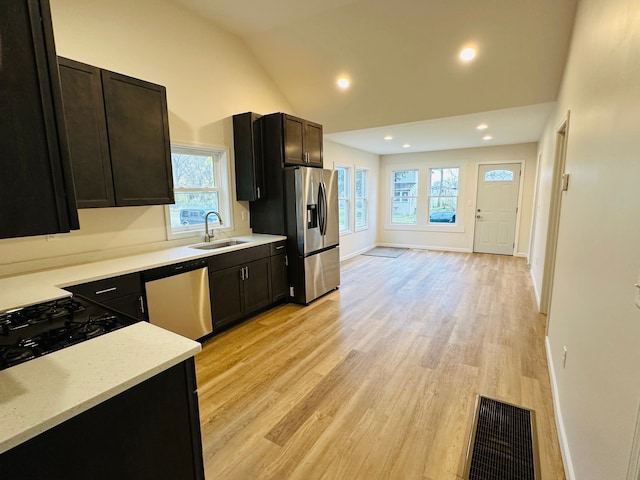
[
  {"x": 122, "y": 293},
  {"x": 239, "y": 291},
  {"x": 279, "y": 283},
  {"x": 246, "y": 281},
  {"x": 151, "y": 431}
]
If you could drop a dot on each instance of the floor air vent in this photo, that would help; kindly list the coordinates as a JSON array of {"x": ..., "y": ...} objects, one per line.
[{"x": 501, "y": 445}]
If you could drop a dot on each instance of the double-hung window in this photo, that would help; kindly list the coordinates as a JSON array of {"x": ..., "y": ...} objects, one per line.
[
  {"x": 443, "y": 195},
  {"x": 200, "y": 182},
  {"x": 344, "y": 198},
  {"x": 405, "y": 197},
  {"x": 361, "y": 198}
]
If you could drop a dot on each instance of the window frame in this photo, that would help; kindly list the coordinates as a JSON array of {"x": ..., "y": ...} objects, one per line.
[
  {"x": 348, "y": 199},
  {"x": 222, "y": 185},
  {"x": 364, "y": 198},
  {"x": 394, "y": 196},
  {"x": 430, "y": 196}
]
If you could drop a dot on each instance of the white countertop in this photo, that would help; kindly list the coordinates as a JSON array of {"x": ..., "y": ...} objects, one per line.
[
  {"x": 42, "y": 393},
  {"x": 33, "y": 288}
]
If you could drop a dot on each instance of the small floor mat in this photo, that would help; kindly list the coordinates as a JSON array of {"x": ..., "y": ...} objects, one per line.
[
  {"x": 385, "y": 252},
  {"x": 501, "y": 444}
]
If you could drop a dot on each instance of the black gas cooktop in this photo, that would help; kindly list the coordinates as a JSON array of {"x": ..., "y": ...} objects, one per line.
[{"x": 31, "y": 332}]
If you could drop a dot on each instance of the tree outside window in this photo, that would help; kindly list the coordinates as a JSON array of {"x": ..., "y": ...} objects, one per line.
[
  {"x": 199, "y": 187},
  {"x": 443, "y": 195}
]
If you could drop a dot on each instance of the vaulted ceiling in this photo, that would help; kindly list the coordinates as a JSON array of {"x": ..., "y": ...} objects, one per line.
[{"x": 402, "y": 59}]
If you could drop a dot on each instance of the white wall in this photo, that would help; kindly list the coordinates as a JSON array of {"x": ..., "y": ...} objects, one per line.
[
  {"x": 460, "y": 237},
  {"x": 209, "y": 74},
  {"x": 592, "y": 308},
  {"x": 355, "y": 242}
]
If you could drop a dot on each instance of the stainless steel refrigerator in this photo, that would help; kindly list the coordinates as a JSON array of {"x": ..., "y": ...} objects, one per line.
[{"x": 311, "y": 205}]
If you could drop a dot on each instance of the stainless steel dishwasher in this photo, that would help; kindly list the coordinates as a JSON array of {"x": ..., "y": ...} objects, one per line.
[{"x": 178, "y": 298}]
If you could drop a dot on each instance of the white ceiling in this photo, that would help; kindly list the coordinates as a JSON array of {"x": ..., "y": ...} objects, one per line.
[
  {"x": 507, "y": 126},
  {"x": 402, "y": 59}
]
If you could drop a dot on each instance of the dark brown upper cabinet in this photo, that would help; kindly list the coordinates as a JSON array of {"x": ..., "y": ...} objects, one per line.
[
  {"x": 87, "y": 127},
  {"x": 118, "y": 136},
  {"x": 36, "y": 186},
  {"x": 247, "y": 147},
  {"x": 301, "y": 139}
]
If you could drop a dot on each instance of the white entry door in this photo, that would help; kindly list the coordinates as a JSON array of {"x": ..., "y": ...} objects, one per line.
[{"x": 497, "y": 208}]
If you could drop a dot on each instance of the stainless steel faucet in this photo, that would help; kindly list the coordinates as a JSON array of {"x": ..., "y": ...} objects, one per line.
[{"x": 208, "y": 236}]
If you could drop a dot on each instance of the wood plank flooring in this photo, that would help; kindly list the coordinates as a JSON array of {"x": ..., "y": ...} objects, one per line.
[{"x": 378, "y": 379}]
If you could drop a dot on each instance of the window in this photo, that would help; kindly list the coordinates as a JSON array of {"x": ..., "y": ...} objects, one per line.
[
  {"x": 498, "y": 176},
  {"x": 405, "y": 196},
  {"x": 362, "y": 193},
  {"x": 344, "y": 198},
  {"x": 200, "y": 185},
  {"x": 443, "y": 195}
]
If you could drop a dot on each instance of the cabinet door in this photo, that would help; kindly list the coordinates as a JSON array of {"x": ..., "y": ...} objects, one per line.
[
  {"x": 36, "y": 187},
  {"x": 87, "y": 133},
  {"x": 247, "y": 146},
  {"x": 257, "y": 288},
  {"x": 131, "y": 305},
  {"x": 313, "y": 143},
  {"x": 293, "y": 140},
  {"x": 151, "y": 430},
  {"x": 226, "y": 296},
  {"x": 138, "y": 128},
  {"x": 279, "y": 284}
]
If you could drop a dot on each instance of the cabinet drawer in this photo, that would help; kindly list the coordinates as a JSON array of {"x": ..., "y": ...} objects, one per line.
[
  {"x": 230, "y": 259},
  {"x": 103, "y": 290},
  {"x": 278, "y": 247}
]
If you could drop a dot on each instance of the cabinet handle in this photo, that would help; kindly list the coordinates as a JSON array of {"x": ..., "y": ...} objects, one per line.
[
  {"x": 247, "y": 277},
  {"x": 280, "y": 247},
  {"x": 106, "y": 290},
  {"x": 258, "y": 192},
  {"x": 141, "y": 304},
  {"x": 241, "y": 273}
]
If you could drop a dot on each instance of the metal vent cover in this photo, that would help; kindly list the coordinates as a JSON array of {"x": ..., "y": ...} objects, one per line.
[{"x": 502, "y": 443}]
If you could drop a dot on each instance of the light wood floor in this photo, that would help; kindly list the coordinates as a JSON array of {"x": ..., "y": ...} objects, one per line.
[{"x": 378, "y": 379}]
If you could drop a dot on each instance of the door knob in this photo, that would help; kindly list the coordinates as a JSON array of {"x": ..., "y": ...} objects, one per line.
[{"x": 478, "y": 217}]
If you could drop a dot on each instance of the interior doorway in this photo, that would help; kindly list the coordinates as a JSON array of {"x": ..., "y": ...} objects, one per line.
[
  {"x": 497, "y": 208},
  {"x": 559, "y": 183}
]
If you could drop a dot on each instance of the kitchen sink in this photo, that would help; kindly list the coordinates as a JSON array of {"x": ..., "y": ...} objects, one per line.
[{"x": 216, "y": 245}]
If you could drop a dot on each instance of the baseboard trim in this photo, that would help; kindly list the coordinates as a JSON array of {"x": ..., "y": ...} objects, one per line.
[
  {"x": 562, "y": 434},
  {"x": 535, "y": 289},
  {"x": 359, "y": 252},
  {"x": 424, "y": 247}
]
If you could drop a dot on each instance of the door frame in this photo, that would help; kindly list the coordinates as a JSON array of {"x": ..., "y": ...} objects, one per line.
[
  {"x": 516, "y": 237},
  {"x": 555, "y": 210}
]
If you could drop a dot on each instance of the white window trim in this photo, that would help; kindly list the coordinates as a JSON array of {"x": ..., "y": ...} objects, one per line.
[
  {"x": 365, "y": 198},
  {"x": 350, "y": 205},
  {"x": 422, "y": 224},
  {"x": 392, "y": 196},
  {"x": 222, "y": 174}
]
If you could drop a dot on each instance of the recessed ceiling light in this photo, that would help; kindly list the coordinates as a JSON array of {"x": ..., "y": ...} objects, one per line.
[
  {"x": 487, "y": 137},
  {"x": 468, "y": 54},
  {"x": 388, "y": 137},
  {"x": 406, "y": 145},
  {"x": 482, "y": 126},
  {"x": 343, "y": 82}
]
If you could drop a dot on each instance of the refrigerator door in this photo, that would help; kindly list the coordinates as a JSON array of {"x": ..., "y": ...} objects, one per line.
[
  {"x": 321, "y": 273},
  {"x": 330, "y": 231},
  {"x": 308, "y": 210}
]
